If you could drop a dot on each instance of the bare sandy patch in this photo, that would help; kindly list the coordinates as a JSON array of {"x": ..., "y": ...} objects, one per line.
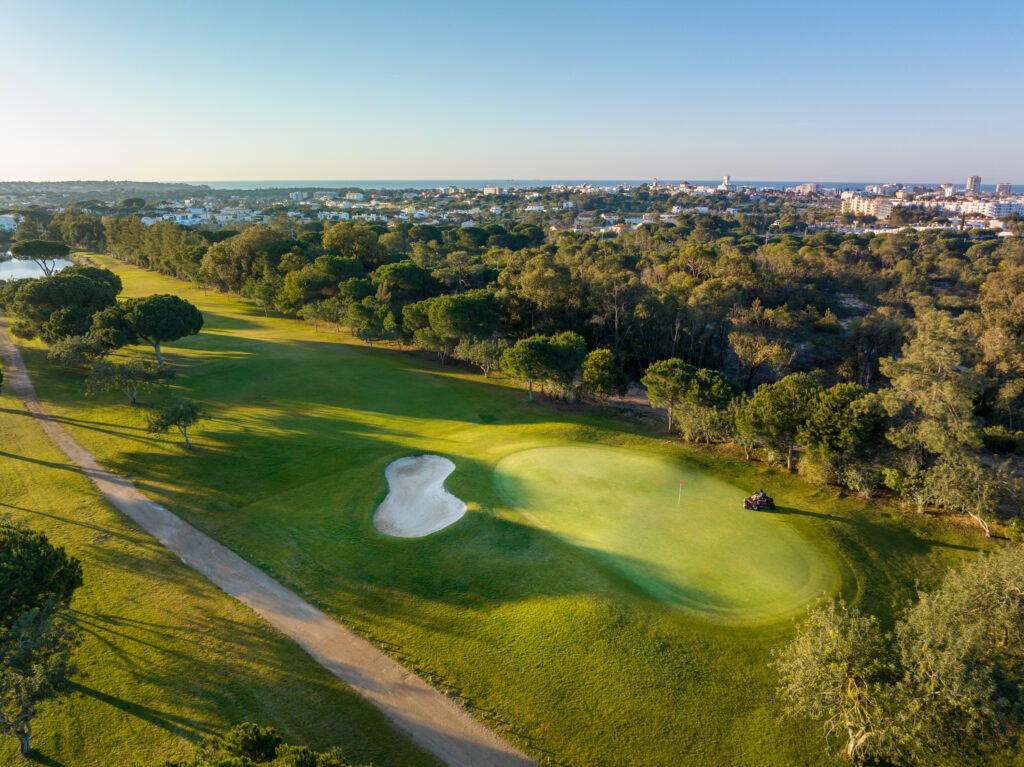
[{"x": 417, "y": 503}]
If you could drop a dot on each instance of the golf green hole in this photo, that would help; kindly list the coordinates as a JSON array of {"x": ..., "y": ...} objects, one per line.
[{"x": 696, "y": 548}]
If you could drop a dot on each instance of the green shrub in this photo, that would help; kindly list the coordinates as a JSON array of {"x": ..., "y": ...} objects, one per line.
[
  {"x": 999, "y": 439},
  {"x": 249, "y": 745},
  {"x": 815, "y": 471}
]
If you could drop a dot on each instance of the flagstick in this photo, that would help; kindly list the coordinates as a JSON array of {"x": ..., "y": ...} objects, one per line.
[{"x": 678, "y": 502}]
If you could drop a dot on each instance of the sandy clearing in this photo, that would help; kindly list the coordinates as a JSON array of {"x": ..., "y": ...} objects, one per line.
[
  {"x": 417, "y": 502},
  {"x": 436, "y": 724}
]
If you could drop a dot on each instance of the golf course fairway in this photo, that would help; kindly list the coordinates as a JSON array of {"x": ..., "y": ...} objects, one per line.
[
  {"x": 691, "y": 544},
  {"x": 591, "y": 620}
]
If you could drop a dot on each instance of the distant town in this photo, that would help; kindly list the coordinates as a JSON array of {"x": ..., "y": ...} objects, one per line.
[{"x": 584, "y": 207}]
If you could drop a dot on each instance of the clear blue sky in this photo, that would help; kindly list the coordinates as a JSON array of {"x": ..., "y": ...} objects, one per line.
[{"x": 900, "y": 90}]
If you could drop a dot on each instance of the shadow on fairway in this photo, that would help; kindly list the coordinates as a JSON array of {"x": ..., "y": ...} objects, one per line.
[
  {"x": 35, "y": 756},
  {"x": 219, "y": 321},
  {"x": 193, "y": 729},
  {"x": 102, "y": 532},
  {"x": 865, "y": 528},
  {"x": 38, "y": 461}
]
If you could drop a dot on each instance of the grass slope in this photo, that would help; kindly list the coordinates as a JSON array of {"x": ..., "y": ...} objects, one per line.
[
  {"x": 167, "y": 657},
  {"x": 547, "y": 638}
]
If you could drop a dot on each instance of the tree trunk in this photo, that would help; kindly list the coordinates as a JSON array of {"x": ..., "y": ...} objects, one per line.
[
  {"x": 748, "y": 452},
  {"x": 984, "y": 525},
  {"x": 529, "y": 386},
  {"x": 789, "y": 458},
  {"x": 670, "y": 418},
  {"x": 25, "y": 738},
  {"x": 159, "y": 356},
  {"x": 184, "y": 433},
  {"x": 854, "y": 743},
  {"x": 750, "y": 376}
]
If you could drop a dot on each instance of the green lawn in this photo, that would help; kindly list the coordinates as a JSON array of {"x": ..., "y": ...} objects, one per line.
[
  {"x": 547, "y": 628},
  {"x": 690, "y": 544},
  {"x": 167, "y": 657}
]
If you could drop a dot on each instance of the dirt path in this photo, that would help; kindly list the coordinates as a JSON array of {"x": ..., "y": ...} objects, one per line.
[{"x": 434, "y": 722}]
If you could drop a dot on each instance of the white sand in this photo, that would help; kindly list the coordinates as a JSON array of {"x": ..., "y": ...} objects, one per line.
[{"x": 417, "y": 503}]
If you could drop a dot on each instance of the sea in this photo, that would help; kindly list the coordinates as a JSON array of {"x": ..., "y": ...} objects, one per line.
[{"x": 506, "y": 183}]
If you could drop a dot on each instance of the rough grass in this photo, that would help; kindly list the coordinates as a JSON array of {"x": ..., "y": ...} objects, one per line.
[
  {"x": 548, "y": 639},
  {"x": 167, "y": 658}
]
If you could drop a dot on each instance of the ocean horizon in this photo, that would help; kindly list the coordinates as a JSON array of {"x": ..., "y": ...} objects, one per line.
[{"x": 420, "y": 184}]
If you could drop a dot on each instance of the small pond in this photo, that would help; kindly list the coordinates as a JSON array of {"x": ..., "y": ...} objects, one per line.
[{"x": 13, "y": 269}]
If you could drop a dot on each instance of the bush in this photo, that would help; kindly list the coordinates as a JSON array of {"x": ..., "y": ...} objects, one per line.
[
  {"x": 74, "y": 351},
  {"x": 863, "y": 479},
  {"x": 999, "y": 439},
  {"x": 248, "y": 745},
  {"x": 815, "y": 471},
  {"x": 1015, "y": 529}
]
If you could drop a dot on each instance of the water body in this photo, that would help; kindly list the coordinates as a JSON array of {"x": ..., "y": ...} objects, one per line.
[
  {"x": 13, "y": 269},
  {"x": 527, "y": 183}
]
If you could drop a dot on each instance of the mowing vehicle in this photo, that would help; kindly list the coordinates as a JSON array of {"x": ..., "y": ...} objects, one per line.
[{"x": 759, "y": 501}]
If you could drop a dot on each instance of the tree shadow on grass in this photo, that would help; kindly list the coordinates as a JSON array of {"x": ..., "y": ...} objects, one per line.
[
  {"x": 67, "y": 466},
  {"x": 223, "y": 670},
  {"x": 221, "y": 321},
  {"x": 919, "y": 543},
  {"x": 43, "y": 759},
  {"x": 191, "y": 728},
  {"x": 143, "y": 540}
]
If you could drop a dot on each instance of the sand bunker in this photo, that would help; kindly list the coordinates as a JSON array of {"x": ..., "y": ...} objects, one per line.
[{"x": 417, "y": 503}]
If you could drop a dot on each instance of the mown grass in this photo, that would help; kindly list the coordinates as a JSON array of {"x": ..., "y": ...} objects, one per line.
[
  {"x": 546, "y": 639},
  {"x": 167, "y": 658},
  {"x": 679, "y": 533}
]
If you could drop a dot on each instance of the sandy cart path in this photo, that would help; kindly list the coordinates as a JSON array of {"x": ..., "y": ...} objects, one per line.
[{"x": 434, "y": 722}]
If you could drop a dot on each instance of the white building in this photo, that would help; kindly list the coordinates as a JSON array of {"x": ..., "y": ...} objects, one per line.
[
  {"x": 974, "y": 184},
  {"x": 492, "y": 190},
  {"x": 726, "y": 185},
  {"x": 1004, "y": 188},
  {"x": 810, "y": 188},
  {"x": 1003, "y": 208},
  {"x": 865, "y": 206},
  {"x": 355, "y": 196}
]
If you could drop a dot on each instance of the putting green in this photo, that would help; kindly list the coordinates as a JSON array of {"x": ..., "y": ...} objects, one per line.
[{"x": 704, "y": 552}]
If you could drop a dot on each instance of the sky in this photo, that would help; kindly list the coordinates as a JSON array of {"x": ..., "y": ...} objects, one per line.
[{"x": 788, "y": 90}]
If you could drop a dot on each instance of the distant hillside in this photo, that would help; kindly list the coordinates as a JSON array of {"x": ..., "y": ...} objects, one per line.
[{"x": 56, "y": 192}]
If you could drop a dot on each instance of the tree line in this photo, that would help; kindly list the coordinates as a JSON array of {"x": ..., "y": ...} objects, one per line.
[
  {"x": 914, "y": 341},
  {"x": 907, "y": 349}
]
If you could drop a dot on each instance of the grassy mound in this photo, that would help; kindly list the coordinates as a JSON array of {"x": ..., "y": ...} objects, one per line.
[
  {"x": 697, "y": 548},
  {"x": 545, "y": 639}
]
